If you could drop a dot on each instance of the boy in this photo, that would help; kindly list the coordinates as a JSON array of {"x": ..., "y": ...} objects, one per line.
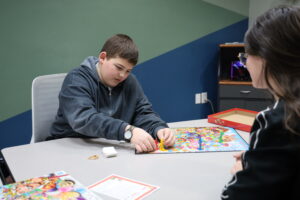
[{"x": 101, "y": 98}]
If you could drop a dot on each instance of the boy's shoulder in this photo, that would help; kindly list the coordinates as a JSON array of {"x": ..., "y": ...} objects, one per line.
[{"x": 131, "y": 79}]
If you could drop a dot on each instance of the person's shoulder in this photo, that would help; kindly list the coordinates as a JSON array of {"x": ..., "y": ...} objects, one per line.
[
  {"x": 271, "y": 129},
  {"x": 73, "y": 73},
  {"x": 131, "y": 79},
  {"x": 130, "y": 84},
  {"x": 85, "y": 70},
  {"x": 79, "y": 76}
]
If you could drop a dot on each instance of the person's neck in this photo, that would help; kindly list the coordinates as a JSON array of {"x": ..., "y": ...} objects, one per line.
[
  {"x": 98, "y": 68},
  {"x": 99, "y": 72}
]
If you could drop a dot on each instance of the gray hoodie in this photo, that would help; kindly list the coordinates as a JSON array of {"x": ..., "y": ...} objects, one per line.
[{"x": 87, "y": 108}]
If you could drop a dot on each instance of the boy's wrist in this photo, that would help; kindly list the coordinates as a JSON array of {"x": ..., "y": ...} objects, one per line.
[
  {"x": 128, "y": 133},
  {"x": 156, "y": 131}
]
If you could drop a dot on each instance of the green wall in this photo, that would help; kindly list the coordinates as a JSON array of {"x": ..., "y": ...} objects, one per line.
[{"x": 52, "y": 36}]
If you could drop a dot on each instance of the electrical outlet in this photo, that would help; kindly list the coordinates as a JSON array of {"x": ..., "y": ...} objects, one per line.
[
  {"x": 203, "y": 97},
  {"x": 197, "y": 98}
]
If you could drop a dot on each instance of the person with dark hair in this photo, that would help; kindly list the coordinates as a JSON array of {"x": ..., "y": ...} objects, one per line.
[
  {"x": 101, "y": 98},
  {"x": 270, "y": 169}
]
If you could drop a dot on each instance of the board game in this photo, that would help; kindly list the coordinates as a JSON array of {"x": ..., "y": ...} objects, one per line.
[{"x": 204, "y": 139}]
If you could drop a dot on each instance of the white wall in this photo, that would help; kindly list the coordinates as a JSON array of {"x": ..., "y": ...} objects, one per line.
[{"x": 258, "y": 7}]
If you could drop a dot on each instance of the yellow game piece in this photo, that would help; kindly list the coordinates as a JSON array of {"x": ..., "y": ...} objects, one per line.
[{"x": 161, "y": 145}]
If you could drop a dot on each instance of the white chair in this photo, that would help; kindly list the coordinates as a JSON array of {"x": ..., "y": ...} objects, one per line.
[{"x": 44, "y": 94}]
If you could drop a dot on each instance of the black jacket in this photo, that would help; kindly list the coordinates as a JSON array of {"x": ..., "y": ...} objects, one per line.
[
  {"x": 87, "y": 108},
  {"x": 271, "y": 167}
]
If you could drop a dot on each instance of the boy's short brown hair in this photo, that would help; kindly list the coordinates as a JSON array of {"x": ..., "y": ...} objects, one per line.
[{"x": 121, "y": 45}]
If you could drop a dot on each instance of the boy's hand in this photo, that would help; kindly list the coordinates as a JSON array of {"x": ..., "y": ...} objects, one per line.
[
  {"x": 167, "y": 135},
  {"x": 142, "y": 140}
]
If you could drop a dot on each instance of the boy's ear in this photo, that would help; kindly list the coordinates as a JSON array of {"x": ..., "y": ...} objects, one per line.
[{"x": 102, "y": 56}]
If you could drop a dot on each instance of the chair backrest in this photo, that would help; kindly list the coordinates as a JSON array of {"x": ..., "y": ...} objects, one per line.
[{"x": 44, "y": 99}]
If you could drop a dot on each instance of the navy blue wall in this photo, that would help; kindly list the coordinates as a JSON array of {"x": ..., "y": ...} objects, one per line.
[
  {"x": 16, "y": 130},
  {"x": 170, "y": 81}
]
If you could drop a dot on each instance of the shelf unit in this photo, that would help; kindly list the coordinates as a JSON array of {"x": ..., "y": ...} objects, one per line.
[{"x": 238, "y": 93}]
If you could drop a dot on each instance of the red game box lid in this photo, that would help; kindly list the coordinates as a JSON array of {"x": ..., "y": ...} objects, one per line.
[{"x": 237, "y": 118}]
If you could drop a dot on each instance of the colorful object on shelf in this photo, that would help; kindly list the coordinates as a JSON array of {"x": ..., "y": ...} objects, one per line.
[{"x": 239, "y": 72}]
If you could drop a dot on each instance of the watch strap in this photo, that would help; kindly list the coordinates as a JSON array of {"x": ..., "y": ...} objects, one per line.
[{"x": 130, "y": 129}]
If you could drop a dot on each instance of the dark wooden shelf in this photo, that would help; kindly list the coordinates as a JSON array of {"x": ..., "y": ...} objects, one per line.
[
  {"x": 229, "y": 82},
  {"x": 232, "y": 45},
  {"x": 236, "y": 91}
]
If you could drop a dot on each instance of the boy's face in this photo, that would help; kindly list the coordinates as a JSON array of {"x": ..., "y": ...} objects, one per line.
[{"x": 114, "y": 70}]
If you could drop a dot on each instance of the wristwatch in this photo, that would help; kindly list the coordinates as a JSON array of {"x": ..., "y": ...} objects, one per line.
[{"x": 128, "y": 133}]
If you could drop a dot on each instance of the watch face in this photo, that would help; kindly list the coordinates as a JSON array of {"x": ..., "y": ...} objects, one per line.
[{"x": 128, "y": 135}]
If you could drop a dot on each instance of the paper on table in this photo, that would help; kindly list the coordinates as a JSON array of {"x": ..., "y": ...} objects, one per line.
[{"x": 122, "y": 188}]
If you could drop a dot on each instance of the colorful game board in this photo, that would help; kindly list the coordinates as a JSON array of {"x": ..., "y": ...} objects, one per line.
[
  {"x": 55, "y": 186},
  {"x": 203, "y": 139}
]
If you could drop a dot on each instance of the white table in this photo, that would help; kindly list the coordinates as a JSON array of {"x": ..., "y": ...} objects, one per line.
[{"x": 179, "y": 176}]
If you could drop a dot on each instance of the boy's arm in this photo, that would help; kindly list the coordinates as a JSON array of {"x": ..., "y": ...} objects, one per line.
[
  {"x": 145, "y": 117},
  {"x": 77, "y": 105}
]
